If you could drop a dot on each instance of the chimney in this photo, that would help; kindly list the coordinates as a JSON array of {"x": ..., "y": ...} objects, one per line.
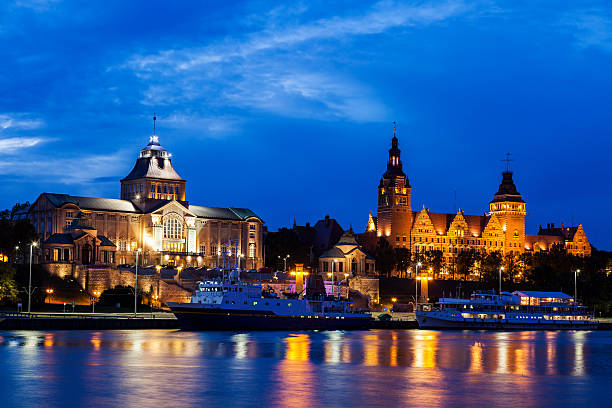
[
  {"x": 562, "y": 225},
  {"x": 552, "y": 225},
  {"x": 307, "y": 225},
  {"x": 327, "y": 220}
]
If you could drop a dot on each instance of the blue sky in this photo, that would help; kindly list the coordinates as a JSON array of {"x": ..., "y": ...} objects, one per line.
[{"x": 286, "y": 108}]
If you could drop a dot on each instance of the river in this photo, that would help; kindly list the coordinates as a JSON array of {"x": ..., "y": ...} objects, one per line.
[{"x": 377, "y": 368}]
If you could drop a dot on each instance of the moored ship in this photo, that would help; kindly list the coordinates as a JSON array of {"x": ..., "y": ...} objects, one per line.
[
  {"x": 519, "y": 310},
  {"x": 232, "y": 304}
]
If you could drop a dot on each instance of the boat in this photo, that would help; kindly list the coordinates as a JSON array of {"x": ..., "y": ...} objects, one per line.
[
  {"x": 519, "y": 310},
  {"x": 230, "y": 303}
]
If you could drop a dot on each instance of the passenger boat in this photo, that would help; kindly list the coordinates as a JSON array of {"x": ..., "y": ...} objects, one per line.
[
  {"x": 519, "y": 310},
  {"x": 232, "y": 304}
]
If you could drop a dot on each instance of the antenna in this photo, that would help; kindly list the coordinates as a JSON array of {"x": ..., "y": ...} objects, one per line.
[
  {"x": 154, "y": 119},
  {"x": 507, "y": 160},
  {"x": 394, "y": 128}
]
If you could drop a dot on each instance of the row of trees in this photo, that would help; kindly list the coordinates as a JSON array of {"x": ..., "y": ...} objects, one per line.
[{"x": 553, "y": 270}]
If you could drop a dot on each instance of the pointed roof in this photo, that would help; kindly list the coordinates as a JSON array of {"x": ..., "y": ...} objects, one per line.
[
  {"x": 507, "y": 190},
  {"x": 153, "y": 162}
]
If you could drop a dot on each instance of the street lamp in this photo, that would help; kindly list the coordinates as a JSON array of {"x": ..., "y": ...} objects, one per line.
[
  {"x": 500, "y": 280},
  {"x": 416, "y": 286},
  {"x": 576, "y": 286},
  {"x": 33, "y": 244},
  {"x": 49, "y": 292},
  {"x": 96, "y": 293},
  {"x": 136, "y": 283},
  {"x": 285, "y": 259}
]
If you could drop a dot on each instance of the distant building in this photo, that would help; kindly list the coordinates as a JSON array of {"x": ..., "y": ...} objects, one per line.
[
  {"x": 346, "y": 257},
  {"x": 152, "y": 215},
  {"x": 501, "y": 229},
  {"x": 322, "y": 235}
]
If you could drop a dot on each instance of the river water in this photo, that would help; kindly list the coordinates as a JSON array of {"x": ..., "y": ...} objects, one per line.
[{"x": 378, "y": 368}]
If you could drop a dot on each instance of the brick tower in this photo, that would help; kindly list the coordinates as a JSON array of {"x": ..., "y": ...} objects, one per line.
[
  {"x": 509, "y": 207},
  {"x": 394, "y": 210}
]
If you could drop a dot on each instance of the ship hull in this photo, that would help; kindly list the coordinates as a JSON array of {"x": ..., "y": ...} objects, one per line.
[
  {"x": 219, "y": 319},
  {"x": 430, "y": 322}
]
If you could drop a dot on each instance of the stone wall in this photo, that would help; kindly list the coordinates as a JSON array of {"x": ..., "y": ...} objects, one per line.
[
  {"x": 98, "y": 279},
  {"x": 367, "y": 286}
]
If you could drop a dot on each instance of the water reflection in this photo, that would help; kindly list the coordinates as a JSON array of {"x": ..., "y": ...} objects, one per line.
[{"x": 288, "y": 369}]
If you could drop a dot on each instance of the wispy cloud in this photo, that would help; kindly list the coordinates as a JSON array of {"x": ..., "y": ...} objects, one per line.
[
  {"x": 19, "y": 122},
  {"x": 67, "y": 170},
  {"x": 281, "y": 68},
  {"x": 590, "y": 28},
  {"x": 13, "y": 144}
]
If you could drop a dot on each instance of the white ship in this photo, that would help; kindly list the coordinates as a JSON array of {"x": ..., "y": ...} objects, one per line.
[
  {"x": 519, "y": 310},
  {"x": 232, "y": 304}
]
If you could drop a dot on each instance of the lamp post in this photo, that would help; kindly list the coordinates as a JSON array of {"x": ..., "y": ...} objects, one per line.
[
  {"x": 96, "y": 293},
  {"x": 576, "y": 286},
  {"x": 416, "y": 286},
  {"x": 136, "y": 284},
  {"x": 49, "y": 292},
  {"x": 330, "y": 276},
  {"x": 501, "y": 268},
  {"x": 285, "y": 259},
  {"x": 33, "y": 244}
]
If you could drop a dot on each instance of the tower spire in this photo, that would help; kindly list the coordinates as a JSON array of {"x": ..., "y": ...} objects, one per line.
[
  {"x": 507, "y": 160},
  {"x": 154, "y": 119}
]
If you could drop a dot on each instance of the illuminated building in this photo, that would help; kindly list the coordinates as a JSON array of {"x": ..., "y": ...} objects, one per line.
[
  {"x": 152, "y": 214},
  {"x": 501, "y": 229}
]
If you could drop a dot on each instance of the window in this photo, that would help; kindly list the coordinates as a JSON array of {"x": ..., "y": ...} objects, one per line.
[
  {"x": 340, "y": 266},
  {"x": 173, "y": 227},
  {"x": 325, "y": 267},
  {"x": 66, "y": 254},
  {"x": 202, "y": 249},
  {"x": 152, "y": 188},
  {"x": 252, "y": 227},
  {"x": 251, "y": 250},
  {"x": 171, "y": 190},
  {"x": 252, "y": 235},
  {"x": 165, "y": 189},
  {"x": 123, "y": 246},
  {"x": 159, "y": 188}
]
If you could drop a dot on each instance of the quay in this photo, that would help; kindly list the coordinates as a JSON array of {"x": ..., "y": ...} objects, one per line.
[{"x": 86, "y": 321}]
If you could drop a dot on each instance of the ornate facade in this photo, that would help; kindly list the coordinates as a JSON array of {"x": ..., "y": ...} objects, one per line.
[
  {"x": 153, "y": 216},
  {"x": 501, "y": 229}
]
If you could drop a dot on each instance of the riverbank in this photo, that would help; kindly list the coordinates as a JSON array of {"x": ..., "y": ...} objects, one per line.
[{"x": 87, "y": 321}]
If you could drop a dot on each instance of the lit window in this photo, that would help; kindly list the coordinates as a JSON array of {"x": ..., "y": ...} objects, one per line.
[{"x": 173, "y": 227}]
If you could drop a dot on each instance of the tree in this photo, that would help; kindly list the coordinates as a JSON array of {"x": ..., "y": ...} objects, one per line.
[
  {"x": 9, "y": 293},
  {"x": 465, "y": 263},
  {"x": 402, "y": 260},
  {"x": 385, "y": 257},
  {"x": 435, "y": 259},
  {"x": 490, "y": 267}
]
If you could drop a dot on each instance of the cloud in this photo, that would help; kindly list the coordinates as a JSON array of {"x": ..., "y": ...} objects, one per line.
[
  {"x": 18, "y": 122},
  {"x": 66, "y": 170},
  {"x": 13, "y": 144},
  {"x": 590, "y": 28},
  {"x": 283, "y": 68}
]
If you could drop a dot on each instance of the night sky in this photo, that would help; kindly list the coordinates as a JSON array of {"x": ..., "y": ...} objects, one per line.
[{"x": 288, "y": 109}]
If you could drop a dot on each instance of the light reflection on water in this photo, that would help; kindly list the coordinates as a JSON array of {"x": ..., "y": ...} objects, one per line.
[{"x": 369, "y": 368}]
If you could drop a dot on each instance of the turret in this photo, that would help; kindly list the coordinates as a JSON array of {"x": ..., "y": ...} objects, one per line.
[
  {"x": 394, "y": 199},
  {"x": 509, "y": 207},
  {"x": 153, "y": 176}
]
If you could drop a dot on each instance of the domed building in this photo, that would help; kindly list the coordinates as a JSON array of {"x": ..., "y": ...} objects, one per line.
[{"x": 152, "y": 216}]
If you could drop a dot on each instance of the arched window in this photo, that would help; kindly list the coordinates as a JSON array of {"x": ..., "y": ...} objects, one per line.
[
  {"x": 354, "y": 265},
  {"x": 173, "y": 227}
]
